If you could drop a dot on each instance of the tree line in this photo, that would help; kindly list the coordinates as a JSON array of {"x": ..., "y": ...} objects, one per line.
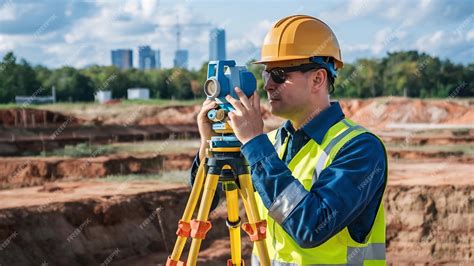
[{"x": 409, "y": 73}]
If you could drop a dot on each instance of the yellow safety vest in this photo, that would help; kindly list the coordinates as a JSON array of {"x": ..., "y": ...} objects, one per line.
[{"x": 340, "y": 249}]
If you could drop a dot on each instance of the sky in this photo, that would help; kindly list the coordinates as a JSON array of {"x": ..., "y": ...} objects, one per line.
[{"x": 80, "y": 33}]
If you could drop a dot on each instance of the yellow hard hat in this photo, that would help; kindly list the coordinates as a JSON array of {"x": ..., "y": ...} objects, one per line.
[{"x": 298, "y": 38}]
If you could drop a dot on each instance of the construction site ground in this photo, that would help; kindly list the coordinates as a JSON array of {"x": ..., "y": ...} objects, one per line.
[{"x": 86, "y": 202}]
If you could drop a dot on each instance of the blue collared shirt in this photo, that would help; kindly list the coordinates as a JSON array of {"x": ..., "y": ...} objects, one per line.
[{"x": 347, "y": 193}]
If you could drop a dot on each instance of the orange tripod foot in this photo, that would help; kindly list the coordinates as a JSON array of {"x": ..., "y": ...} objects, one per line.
[
  {"x": 229, "y": 263},
  {"x": 171, "y": 262}
]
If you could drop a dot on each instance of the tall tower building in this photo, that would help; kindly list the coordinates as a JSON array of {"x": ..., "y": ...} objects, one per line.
[
  {"x": 217, "y": 44},
  {"x": 181, "y": 58},
  {"x": 146, "y": 58},
  {"x": 122, "y": 58},
  {"x": 158, "y": 58}
]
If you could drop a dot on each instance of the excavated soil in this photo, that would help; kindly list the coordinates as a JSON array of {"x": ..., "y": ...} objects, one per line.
[
  {"x": 14, "y": 141},
  {"x": 31, "y": 171},
  {"x": 66, "y": 221},
  {"x": 381, "y": 112},
  {"x": 39, "y": 130},
  {"x": 28, "y": 117},
  {"x": 85, "y": 223}
]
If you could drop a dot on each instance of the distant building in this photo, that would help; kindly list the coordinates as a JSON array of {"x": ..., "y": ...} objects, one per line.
[
  {"x": 181, "y": 58},
  {"x": 217, "y": 44},
  {"x": 103, "y": 96},
  {"x": 35, "y": 99},
  {"x": 158, "y": 58},
  {"x": 138, "y": 93},
  {"x": 122, "y": 58},
  {"x": 146, "y": 58}
]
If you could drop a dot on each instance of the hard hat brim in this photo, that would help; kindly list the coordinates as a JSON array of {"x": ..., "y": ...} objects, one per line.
[
  {"x": 298, "y": 60},
  {"x": 280, "y": 58}
]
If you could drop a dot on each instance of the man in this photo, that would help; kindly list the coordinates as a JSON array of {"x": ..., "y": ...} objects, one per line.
[{"x": 319, "y": 178}]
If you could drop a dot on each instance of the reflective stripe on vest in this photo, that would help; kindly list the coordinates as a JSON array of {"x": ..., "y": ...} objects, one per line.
[
  {"x": 355, "y": 256},
  {"x": 306, "y": 166},
  {"x": 324, "y": 156}
]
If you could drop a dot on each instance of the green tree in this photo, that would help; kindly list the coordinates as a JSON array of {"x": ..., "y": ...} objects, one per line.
[
  {"x": 17, "y": 79},
  {"x": 71, "y": 85}
]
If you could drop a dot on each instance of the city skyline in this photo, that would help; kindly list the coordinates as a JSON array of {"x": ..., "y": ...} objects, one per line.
[{"x": 81, "y": 33}]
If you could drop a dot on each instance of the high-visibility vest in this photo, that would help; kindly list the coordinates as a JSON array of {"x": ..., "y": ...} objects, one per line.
[{"x": 340, "y": 249}]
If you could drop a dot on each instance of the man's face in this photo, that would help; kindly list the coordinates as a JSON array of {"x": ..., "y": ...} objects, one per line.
[{"x": 289, "y": 98}]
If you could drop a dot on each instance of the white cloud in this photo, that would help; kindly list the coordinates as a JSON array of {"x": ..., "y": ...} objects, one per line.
[
  {"x": 248, "y": 46},
  {"x": 375, "y": 27},
  {"x": 6, "y": 44},
  {"x": 448, "y": 44},
  {"x": 470, "y": 36},
  {"x": 387, "y": 39},
  {"x": 8, "y": 12},
  {"x": 404, "y": 12}
]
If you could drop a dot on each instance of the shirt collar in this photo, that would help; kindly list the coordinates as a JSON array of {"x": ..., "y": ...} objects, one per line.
[{"x": 317, "y": 127}]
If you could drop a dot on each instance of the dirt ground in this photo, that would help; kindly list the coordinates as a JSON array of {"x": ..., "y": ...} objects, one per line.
[
  {"x": 89, "y": 210},
  {"x": 419, "y": 215}
]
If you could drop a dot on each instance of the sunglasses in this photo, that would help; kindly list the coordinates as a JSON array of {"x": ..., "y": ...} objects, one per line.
[{"x": 279, "y": 74}]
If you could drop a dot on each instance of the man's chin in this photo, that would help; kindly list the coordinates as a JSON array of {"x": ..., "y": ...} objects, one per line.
[{"x": 277, "y": 111}]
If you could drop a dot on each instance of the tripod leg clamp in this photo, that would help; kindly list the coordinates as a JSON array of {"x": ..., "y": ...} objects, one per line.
[
  {"x": 171, "y": 262},
  {"x": 199, "y": 229},
  {"x": 259, "y": 234},
  {"x": 232, "y": 224},
  {"x": 229, "y": 263},
  {"x": 184, "y": 229}
]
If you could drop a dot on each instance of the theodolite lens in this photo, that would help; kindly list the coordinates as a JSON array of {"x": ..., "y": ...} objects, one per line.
[{"x": 212, "y": 88}]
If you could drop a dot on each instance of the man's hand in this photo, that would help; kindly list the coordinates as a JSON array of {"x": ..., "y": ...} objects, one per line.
[
  {"x": 246, "y": 119},
  {"x": 205, "y": 126}
]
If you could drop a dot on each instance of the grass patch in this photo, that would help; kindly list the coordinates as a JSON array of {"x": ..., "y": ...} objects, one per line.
[
  {"x": 163, "y": 102},
  {"x": 80, "y": 150},
  {"x": 164, "y": 146},
  {"x": 82, "y": 105},
  {"x": 466, "y": 149},
  {"x": 174, "y": 177},
  {"x": 145, "y": 147}
]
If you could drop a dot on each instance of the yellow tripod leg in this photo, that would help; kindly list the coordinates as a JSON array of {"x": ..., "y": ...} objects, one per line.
[
  {"x": 208, "y": 195},
  {"x": 233, "y": 222},
  {"x": 187, "y": 215},
  {"x": 255, "y": 224}
]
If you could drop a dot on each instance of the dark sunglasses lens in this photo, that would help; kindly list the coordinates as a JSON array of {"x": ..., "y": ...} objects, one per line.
[{"x": 278, "y": 75}]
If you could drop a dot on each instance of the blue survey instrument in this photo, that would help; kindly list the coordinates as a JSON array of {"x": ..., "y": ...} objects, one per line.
[{"x": 223, "y": 76}]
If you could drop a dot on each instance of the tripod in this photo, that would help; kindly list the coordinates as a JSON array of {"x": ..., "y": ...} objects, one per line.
[{"x": 224, "y": 163}]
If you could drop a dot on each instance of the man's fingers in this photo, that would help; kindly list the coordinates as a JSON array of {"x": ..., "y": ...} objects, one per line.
[
  {"x": 256, "y": 101},
  {"x": 236, "y": 104},
  {"x": 208, "y": 105},
  {"x": 207, "y": 102},
  {"x": 243, "y": 98}
]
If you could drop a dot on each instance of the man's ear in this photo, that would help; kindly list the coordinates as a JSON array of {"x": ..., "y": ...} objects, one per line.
[{"x": 318, "y": 79}]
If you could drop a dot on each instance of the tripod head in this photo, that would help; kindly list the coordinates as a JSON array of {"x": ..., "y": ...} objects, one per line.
[{"x": 222, "y": 77}]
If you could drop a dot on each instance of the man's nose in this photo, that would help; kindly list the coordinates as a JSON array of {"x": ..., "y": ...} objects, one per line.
[{"x": 270, "y": 85}]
